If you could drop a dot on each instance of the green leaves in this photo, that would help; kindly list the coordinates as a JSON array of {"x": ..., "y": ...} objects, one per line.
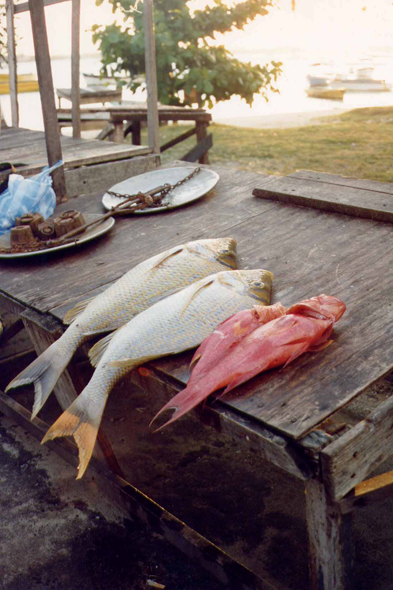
[{"x": 189, "y": 69}]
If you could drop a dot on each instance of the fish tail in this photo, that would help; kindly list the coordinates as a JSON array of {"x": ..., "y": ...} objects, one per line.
[
  {"x": 82, "y": 421},
  {"x": 44, "y": 372},
  {"x": 182, "y": 403}
]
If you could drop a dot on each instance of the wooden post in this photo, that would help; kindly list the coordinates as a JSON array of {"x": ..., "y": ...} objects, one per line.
[
  {"x": 151, "y": 76},
  {"x": 329, "y": 531},
  {"x": 45, "y": 81},
  {"x": 75, "y": 68},
  {"x": 201, "y": 134},
  {"x": 12, "y": 63}
]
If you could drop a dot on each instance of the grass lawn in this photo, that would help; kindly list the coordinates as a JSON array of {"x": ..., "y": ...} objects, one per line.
[{"x": 357, "y": 143}]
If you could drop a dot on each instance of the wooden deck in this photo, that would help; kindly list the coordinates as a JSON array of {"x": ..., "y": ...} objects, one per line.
[{"x": 90, "y": 165}]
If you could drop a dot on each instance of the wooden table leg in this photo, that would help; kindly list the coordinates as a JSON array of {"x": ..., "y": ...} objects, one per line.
[
  {"x": 329, "y": 531},
  {"x": 201, "y": 134},
  {"x": 118, "y": 132},
  {"x": 136, "y": 133}
]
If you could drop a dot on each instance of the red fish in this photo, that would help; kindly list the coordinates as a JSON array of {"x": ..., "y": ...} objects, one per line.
[
  {"x": 241, "y": 347},
  {"x": 229, "y": 332}
]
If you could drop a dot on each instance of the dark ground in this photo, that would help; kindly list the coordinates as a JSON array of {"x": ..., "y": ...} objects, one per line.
[{"x": 62, "y": 534}]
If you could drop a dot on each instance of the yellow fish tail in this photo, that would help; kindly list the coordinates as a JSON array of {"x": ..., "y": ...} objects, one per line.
[{"x": 82, "y": 421}]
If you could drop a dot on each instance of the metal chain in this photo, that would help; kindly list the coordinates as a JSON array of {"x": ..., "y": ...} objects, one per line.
[{"x": 166, "y": 188}]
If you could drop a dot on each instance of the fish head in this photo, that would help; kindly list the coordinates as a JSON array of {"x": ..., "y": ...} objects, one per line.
[
  {"x": 321, "y": 307},
  {"x": 253, "y": 283},
  {"x": 221, "y": 250}
]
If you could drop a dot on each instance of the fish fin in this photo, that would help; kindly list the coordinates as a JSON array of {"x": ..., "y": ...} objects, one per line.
[
  {"x": 76, "y": 311},
  {"x": 81, "y": 420},
  {"x": 97, "y": 351},
  {"x": 44, "y": 372},
  {"x": 182, "y": 403},
  {"x": 194, "y": 359},
  {"x": 305, "y": 347},
  {"x": 322, "y": 346},
  {"x": 129, "y": 363},
  {"x": 240, "y": 378},
  {"x": 194, "y": 293},
  {"x": 165, "y": 256}
]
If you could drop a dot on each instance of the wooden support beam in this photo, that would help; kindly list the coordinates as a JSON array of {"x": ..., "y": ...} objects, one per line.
[
  {"x": 75, "y": 68},
  {"x": 45, "y": 81},
  {"x": 201, "y": 133},
  {"x": 348, "y": 461},
  {"x": 198, "y": 152},
  {"x": 178, "y": 139},
  {"x": 11, "y": 331},
  {"x": 151, "y": 76},
  {"x": 12, "y": 68},
  {"x": 330, "y": 557},
  {"x": 24, "y": 6}
]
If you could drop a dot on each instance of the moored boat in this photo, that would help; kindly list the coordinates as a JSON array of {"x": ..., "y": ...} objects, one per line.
[
  {"x": 361, "y": 84},
  {"x": 25, "y": 83},
  {"x": 325, "y": 92}
]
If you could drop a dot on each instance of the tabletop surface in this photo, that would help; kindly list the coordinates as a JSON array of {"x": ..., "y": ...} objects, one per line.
[{"x": 309, "y": 251}]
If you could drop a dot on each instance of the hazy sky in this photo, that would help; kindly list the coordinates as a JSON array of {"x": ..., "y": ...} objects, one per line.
[{"x": 335, "y": 25}]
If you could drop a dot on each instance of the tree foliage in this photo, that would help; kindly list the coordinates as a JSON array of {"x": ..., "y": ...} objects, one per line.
[{"x": 190, "y": 66}]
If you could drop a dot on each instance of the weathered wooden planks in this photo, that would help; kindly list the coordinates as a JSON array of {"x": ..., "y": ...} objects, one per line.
[
  {"x": 337, "y": 180},
  {"x": 330, "y": 555},
  {"x": 91, "y": 179},
  {"x": 309, "y": 251},
  {"x": 349, "y": 460},
  {"x": 365, "y": 199},
  {"x": 73, "y": 274},
  {"x": 22, "y": 146}
]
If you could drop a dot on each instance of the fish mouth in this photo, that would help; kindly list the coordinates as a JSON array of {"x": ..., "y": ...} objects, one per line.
[
  {"x": 228, "y": 259},
  {"x": 260, "y": 293}
]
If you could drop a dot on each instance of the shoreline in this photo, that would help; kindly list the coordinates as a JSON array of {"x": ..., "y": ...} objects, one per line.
[{"x": 283, "y": 120}]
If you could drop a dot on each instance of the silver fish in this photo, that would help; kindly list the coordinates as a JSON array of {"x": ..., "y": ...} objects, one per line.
[
  {"x": 141, "y": 287},
  {"x": 171, "y": 326}
]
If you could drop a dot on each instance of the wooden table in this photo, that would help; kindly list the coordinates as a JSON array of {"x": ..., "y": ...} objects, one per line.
[
  {"x": 91, "y": 95},
  {"x": 135, "y": 115},
  {"x": 118, "y": 121},
  {"x": 295, "y": 418}
]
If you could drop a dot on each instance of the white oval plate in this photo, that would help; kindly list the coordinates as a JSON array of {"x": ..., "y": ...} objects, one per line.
[
  {"x": 90, "y": 234},
  {"x": 192, "y": 189}
]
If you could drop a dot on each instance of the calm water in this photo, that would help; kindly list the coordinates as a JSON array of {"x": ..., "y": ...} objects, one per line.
[{"x": 292, "y": 83}]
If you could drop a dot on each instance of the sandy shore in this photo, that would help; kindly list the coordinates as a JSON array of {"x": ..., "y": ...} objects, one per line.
[{"x": 283, "y": 120}]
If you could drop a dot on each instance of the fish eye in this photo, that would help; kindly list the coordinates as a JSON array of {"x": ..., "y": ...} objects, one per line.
[
  {"x": 257, "y": 284},
  {"x": 224, "y": 252}
]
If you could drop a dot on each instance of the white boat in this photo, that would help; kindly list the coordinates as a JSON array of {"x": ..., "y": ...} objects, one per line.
[
  {"x": 359, "y": 84},
  {"x": 356, "y": 80},
  {"x": 318, "y": 80},
  {"x": 361, "y": 80}
]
